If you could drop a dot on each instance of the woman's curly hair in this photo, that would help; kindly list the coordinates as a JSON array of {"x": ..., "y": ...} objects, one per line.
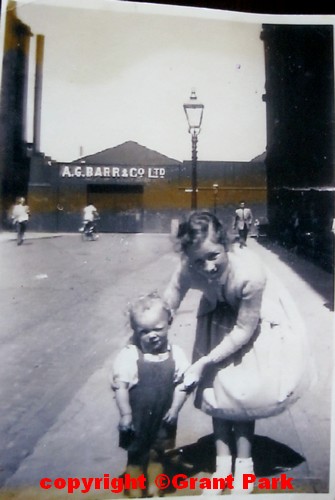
[{"x": 196, "y": 229}]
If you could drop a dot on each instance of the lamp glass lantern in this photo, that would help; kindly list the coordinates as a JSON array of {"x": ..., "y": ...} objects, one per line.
[{"x": 194, "y": 112}]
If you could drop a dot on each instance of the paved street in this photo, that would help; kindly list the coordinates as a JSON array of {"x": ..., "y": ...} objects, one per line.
[{"x": 63, "y": 303}]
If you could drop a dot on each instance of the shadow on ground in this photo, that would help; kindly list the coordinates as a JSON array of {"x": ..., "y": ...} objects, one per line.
[
  {"x": 319, "y": 278},
  {"x": 270, "y": 457}
]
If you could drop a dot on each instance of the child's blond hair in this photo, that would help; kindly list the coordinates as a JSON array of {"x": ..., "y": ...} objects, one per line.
[{"x": 144, "y": 303}]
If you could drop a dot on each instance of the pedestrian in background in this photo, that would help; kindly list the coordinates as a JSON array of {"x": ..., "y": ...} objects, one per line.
[
  {"x": 242, "y": 222},
  {"x": 20, "y": 217},
  {"x": 250, "y": 358},
  {"x": 90, "y": 216},
  {"x": 147, "y": 380}
]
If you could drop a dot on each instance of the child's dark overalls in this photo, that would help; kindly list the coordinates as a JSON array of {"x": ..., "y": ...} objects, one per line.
[{"x": 150, "y": 399}]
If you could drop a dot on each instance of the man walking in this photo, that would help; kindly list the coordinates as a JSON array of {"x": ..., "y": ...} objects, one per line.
[
  {"x": 20, "y": 217},
  {"x": 243, "y": 221}
]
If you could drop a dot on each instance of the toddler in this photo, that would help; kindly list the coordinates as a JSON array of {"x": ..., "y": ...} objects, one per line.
[{"x": 149, "y": 390}]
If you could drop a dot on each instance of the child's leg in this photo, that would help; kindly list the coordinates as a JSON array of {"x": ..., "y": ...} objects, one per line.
[
  {"x": 222, "y": 435},
  {"x": 165, "y": 440},
  {"x": 135, "y": 468},
  {"x": 154, "y": 468},
  {"x": 244, "y": 433}
]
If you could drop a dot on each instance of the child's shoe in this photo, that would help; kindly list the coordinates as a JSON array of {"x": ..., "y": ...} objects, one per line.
[
  {"x": 154, "y": 469},
  {"x": 223, "y": 469},
  {"x": 134, "y": 471},
  {"x": 242, "y": 466}
]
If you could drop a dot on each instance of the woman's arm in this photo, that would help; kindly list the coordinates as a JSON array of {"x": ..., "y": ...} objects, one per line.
[{"x": 246, "y": 324}]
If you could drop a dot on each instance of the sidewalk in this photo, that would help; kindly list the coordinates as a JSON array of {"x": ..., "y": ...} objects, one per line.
[
  {"x": 306, "y": 426},
  {"x": 83, "y": 441},
  {"x": 11, "y": 235}
]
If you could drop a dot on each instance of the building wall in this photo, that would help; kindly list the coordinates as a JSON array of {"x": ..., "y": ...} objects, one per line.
[
  {"x": 138, "y": 198},
  {"x": 300, "y": 105},
  {"x": 299, "y": 64}
]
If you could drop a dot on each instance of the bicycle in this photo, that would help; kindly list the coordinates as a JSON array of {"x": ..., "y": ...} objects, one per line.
[{"x": 89, "y": 231}]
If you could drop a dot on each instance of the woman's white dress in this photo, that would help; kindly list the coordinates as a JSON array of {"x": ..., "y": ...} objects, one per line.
[{"x": 250, "y": 327}]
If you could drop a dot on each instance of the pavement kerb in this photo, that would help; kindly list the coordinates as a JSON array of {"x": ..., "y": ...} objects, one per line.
[{"x": 11, "y": 235}]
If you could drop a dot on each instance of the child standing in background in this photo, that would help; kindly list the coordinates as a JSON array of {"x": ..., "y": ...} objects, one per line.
[{"x": 147, "y": 380}]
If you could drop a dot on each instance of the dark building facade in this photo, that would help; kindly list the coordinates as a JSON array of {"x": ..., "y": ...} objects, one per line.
[
  {"x": 136, "y": 189},
  {"x": 299, "y": 63}
]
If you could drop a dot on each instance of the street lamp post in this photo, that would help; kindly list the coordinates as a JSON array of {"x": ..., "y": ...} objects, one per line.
[
  {"x": 215, "y": 194},
  {"x": 194, "y": 111}
]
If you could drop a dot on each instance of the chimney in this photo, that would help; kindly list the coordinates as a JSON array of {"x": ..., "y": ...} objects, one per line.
[{"x": 38, "y": 92}]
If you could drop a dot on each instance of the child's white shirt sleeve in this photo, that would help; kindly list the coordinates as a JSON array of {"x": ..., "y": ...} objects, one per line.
[{"x": 125, "y": 367}]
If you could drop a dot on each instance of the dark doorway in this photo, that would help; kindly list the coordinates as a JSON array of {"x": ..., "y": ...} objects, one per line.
[{"x": 120, "y": 207}]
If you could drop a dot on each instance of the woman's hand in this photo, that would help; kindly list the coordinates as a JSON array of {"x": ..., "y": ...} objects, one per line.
[
  {"x": 194, "y": 373},
  {"x": 126, "y": 422}
]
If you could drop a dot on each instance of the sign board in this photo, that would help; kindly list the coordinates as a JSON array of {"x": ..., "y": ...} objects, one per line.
[{"x": 111, "y": 172}]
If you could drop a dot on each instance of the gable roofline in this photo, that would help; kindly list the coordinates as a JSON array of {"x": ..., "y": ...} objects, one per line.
[{"x": 129, "y": 153}]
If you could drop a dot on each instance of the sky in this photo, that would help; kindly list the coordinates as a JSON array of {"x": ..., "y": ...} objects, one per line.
[{"x": 123, "y": 71}]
